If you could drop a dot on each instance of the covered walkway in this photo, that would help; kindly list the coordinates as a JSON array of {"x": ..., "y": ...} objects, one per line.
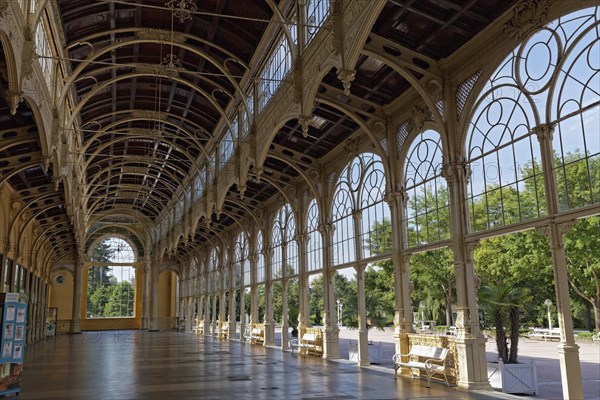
[{"x": 169, "y": 365}]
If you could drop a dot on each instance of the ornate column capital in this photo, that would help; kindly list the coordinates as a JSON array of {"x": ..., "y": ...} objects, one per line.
[
  {"x": 544, "y": 132},
  {"x": 326, "y": 229},
  {"x": 556, "y": 233},
  {"x": 301, "y": 238},
  {"x": 453, "y": 171}
]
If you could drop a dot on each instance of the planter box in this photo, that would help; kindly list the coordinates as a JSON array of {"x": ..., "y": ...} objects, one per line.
[
  {"x": 374, "y": 351},
  {"x": 513, "y": 378}
]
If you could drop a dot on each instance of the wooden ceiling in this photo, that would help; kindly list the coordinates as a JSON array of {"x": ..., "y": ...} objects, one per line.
[{"x": 150, "y": 107}]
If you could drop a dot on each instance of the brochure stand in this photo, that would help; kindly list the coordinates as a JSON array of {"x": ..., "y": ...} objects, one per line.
[{"x": 13, "y": 314}]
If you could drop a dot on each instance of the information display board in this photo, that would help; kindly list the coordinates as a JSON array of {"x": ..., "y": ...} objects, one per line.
[{"x": 13, "y": 314}]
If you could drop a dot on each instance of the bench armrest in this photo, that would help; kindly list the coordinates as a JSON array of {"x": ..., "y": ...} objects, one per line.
[
  {"x": 435, "y": 361},
  {"x": 398, "y": 357}
]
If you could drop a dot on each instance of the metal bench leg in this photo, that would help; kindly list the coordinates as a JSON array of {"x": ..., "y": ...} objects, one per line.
[{"x": 429, "y": 378}]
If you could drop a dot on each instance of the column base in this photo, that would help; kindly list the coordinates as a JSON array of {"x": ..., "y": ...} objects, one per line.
[
  {"x": 472, "y": 364},
  {"x": 75, "y": 327},
  {"x": 331, "y": 343},
  {"x": 570, "y": 371},
  {"x": 269, "y": 334}
]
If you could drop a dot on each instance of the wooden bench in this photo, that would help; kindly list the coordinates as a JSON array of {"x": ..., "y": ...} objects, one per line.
[
  {"x": 430, "y": 359},
  {"x": 311, "y": 343},
  {"x": 545, "y": 334}
]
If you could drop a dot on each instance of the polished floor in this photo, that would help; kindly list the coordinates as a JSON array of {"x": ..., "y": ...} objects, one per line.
[{"x": 170, "y": 365}]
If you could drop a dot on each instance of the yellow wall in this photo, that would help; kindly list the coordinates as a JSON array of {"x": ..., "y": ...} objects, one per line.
[
  {"x": 61, "y": 296},
  {"x": 166, "y": 299}
]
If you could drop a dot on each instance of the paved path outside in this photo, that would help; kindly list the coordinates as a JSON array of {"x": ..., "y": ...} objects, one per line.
[{"x": 544, "y": 354}]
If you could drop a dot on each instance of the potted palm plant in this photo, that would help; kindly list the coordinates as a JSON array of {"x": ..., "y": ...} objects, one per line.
[{"x": 502, "y": 304}]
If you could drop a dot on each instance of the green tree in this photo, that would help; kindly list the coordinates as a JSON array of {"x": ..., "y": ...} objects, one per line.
[
  {"x": 97, "y": 301},
  {"x": 432, "y": 274},
  {"x": 293, "y": 293},
  {"x": 583, "y": 262},
  {"x": 521, "y": 259},
  {"x": 315, "y": 301},
  {"x": 578, "y": 180},
  {"x": 103, "y": 253},
  {"x": 121, "y": 300},
  {"x": 504, "y": 302},
  {"x": 346, "y": 293},
  {"x": 429, "y": 215}
]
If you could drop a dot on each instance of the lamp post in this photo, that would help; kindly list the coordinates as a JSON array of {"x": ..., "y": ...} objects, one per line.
[
  {"x": 341, "y": 315},
  {"x": 548, "y": 303},
  {"x": 422, "y": 308},
  {"x": 338, "y": 312}
]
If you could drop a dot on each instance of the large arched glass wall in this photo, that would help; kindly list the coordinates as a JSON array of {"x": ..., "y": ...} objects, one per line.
[
  {"x": 214, "y": 276},
  {"x": 343, "y": 205},
  {"x": 291, "y": 261},
  {"x": 575, "y": 105},
  {"x": 111, "y": 283},
  {"x": 375, "y": 232},
  {"x": 315, "y": 241},
  {"x": 284, "y": 244},
  {"x": 506, "y": 185},
  {"x": 242, "y": 266},
  {"x": 358, "y": 208},
  {"x": 427, "y": 215},
  {"x": 224, "y": 268},
  {"x": 277, "y": 242},
  {"x": 549, "y": 83}
]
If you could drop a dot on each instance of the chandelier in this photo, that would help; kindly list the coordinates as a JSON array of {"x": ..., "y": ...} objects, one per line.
[{"x": 182, "y": 9}]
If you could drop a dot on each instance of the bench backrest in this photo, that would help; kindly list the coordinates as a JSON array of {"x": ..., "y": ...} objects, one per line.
[
  {"x": 309, "y": 337},
  {"x": 420, "y": 350},
  {"x": 256, "y": 331}
]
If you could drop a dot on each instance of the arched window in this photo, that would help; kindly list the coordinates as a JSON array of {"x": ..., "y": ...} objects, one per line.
[
  {"x": 284, "y": 244},
  {"x": 574, "y": 104},
  {"x": 375, "y": 215},
  {"x": 241, "y": 261},
  {"x": 291, "y": 260},
  {"x": 343, "y": 205},
  {"x": 315, "y": 241},
  {"x": 506, "y": 184},
  {"x": 550, "y": 82},
  {"x": 225, "y": 270},
  {"x": 260, "y": 264},
  {"x": 111, "y": 282},
  {"x": 214, "y": 274},
  {"x": 427, "y": 214},
  {"x": 277, "y": 243},
  {"x": 359, "y": 190}
]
